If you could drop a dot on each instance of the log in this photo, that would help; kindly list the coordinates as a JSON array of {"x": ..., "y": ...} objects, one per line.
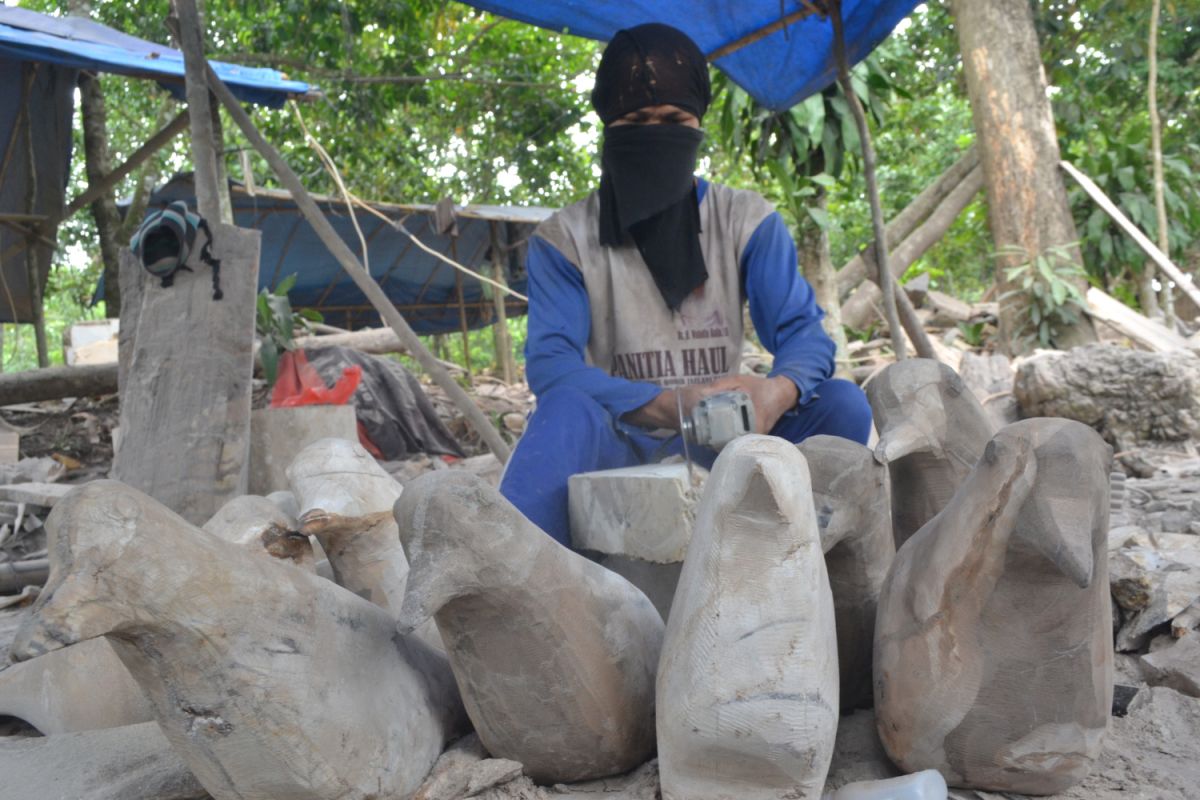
[
  {"x": 901, "y": 227},
  {"x": 1146, "y": 332},
  {"x": 357, "y": 273},
  {"x": 16, "y": 575},
  {"x": 861, "y": 305},
  {"x": 54, "y": 383},
  {"x": 1184, "y": 282},
  {"x": 377, "y": 341}
]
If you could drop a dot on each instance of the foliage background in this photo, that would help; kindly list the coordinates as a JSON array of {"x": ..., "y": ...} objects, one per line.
[{"x": 426, "y": 99}]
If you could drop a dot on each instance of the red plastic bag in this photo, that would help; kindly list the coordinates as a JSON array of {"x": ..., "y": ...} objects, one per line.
[{"x": 299, "y": 384}]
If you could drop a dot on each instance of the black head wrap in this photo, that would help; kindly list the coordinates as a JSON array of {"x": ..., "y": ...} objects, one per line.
[
  {"x": 647, "y": 186},
  {"x": 651, "y": 65}
]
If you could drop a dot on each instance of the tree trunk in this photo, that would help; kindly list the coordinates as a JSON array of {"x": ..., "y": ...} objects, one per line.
[
  {"x": 1018, "y": 148},
  {"x": 104, "y": 209},
  {"x": 859, "y": 268},
  {"x": 816, "y": 264},
  {"x": 862, "y": 305},
  {"x": 1160, "y": 204}
]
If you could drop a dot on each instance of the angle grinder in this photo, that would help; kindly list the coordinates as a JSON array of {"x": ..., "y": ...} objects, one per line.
[{"x": 717, "y": 419}]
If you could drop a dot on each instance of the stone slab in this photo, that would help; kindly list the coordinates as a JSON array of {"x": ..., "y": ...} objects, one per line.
[
  {"x": 644, "y": 512},
  {"x": 38, "y": 494},
  {"x": 130, "y": 763},
  {"x": 1177, "y": 666},
  {"x": 277, "y": 435}
]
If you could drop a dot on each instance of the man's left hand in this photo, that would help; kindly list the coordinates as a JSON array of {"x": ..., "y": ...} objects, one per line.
[{"x": 772, "y": 397}]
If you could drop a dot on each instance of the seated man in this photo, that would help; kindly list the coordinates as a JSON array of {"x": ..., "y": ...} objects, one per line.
[{"x": 636, "y": 292}]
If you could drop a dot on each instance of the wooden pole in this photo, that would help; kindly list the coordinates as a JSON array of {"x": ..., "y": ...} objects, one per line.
[
  {"x": 503, "y": 344},
  {"x": 139, "y": 156},
  {"x": 349, "y": 262},
  {"x": 1097, "y": 194},
  {"x": 886, "y": 284},
  {"x": 32, "y": 272},
  {"x": 189, "y": 32},
  {"x": 463, "y": 329}
]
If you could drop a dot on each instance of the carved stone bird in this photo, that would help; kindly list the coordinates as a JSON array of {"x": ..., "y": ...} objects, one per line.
[
  {"x": 850, "y": 491},
  {"x": 932, "y": 430},
  {"x": 993, "y": 648},
  {"x": 268, "y": 681},
  {"x": 554, "y": 654},
  {"x": 748, "y": 682}
]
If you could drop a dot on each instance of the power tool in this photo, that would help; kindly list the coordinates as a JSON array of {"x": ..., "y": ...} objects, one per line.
[{"x": 717, "y": 420}]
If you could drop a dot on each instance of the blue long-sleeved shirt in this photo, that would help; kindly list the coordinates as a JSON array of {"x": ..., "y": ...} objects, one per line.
[{"x": 782, "y": 308}]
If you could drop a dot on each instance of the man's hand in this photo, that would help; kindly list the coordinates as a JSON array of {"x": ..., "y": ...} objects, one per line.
[
  {"x": 771, "y": 397},
  {"x": 663, "y": 410}
]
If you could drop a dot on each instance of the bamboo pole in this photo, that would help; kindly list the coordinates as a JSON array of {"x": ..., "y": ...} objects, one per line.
[
  {"x": 349, "y": 262},
  {"x": 1160, "y": 203}
]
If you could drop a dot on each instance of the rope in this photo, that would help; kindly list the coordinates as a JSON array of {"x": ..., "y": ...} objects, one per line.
[{"x": 352, "y": 200}]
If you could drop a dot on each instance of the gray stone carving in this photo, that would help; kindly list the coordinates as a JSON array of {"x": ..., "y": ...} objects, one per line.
[
  {"x": 748, "y": 682},
  {"x": 554, "y": 654},
  {"x": 932, "y": 430},
  {"x": 83, "y": 687},
  {"x": 345, "y": 501},
  {"x": 850, "y": 492},
  {"x": 993, "y": 649},
  {"x": 268, "y": 681},
  {"x": 259, "y": 525}
]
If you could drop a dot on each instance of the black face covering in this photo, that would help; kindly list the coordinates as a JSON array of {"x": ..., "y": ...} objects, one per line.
[
  {"x": 647, "y": 189},
  {"x": 648, "y": 193}
]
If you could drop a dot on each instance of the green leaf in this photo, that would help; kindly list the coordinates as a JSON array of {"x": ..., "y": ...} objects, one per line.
[
  {"x": 286, "y": 285},
  {"x": 820, "y": 216},
  {"x": 269, "y": 354}
]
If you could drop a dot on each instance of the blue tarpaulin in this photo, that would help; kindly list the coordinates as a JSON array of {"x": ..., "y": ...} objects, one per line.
[
  {"x": 779, "y": 70},
  {"x": 82, "y": 44},
  {"x": 40, "y": 57},
  {"x": 424, "y": 288}
]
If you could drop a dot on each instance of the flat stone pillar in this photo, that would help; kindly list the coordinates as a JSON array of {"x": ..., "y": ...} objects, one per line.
[
  {"x": 277, "y": 435},
  {"x": 639, "y": 521}
]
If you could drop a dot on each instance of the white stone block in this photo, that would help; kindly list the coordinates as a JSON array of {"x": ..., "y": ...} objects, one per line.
[
  {"x": 642, "y": 512},
  {"x": 277, "y": 435}
]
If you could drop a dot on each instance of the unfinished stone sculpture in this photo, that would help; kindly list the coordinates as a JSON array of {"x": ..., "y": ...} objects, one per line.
[
  {"x": 554, "y": 654},
  {"x": 268, "y": 681},
  {"x": 259, "y": 525},
  {"x": 86, "y": 686},
  {"x": 850, "y": 492},
  {"x": 993, "y": 650},
  {"x": 83, "y": 687},
  {"x": 748, "y": 681},
  {"x": 932, "y": 430},
  {"x": 345, "y": 500}
]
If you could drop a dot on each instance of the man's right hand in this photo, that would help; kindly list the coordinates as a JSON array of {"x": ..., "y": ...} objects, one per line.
[{"x": 663, "y": 410}]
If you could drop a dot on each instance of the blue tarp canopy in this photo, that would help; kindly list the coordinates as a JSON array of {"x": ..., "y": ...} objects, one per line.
[
  {"x": 40, "y": 57},
  {"x": 82, "y": 44},
  {"x": 779, "y": 70},
  {"x": 424, "y": 288}
]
